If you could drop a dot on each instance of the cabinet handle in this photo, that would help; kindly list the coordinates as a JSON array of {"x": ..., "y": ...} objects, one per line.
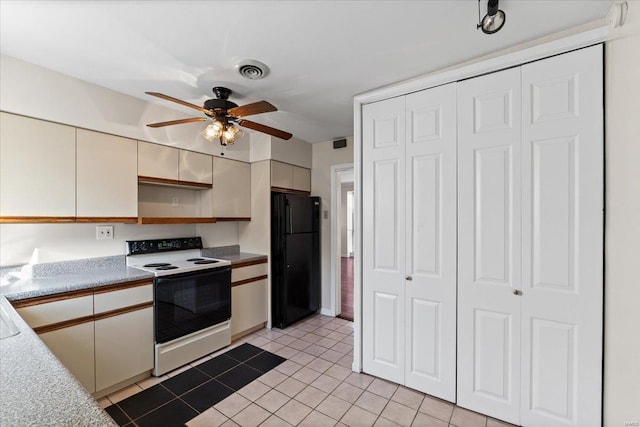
[
  {"x": 517, "y": 292},
  {"x": 409, "y": 278}
]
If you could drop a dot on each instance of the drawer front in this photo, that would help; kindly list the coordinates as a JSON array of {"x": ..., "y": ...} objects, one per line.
[
  {"x": 243, "y": 273},
  {"x": 115, "y": 300},
  {"x": 57, "y": 311}
]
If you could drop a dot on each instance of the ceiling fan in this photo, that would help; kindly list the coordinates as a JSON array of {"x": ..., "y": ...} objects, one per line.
[{"x": 224, "y": 114}]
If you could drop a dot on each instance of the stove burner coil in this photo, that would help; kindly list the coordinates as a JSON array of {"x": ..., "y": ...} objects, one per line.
[{"x": 157, "y": 264}]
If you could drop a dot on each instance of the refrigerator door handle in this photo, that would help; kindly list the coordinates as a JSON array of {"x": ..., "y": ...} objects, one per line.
[{"x": 290, "y": 219}]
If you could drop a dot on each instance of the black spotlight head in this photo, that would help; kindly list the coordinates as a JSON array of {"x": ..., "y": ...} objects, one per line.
[{"x": 494, "y": 20}]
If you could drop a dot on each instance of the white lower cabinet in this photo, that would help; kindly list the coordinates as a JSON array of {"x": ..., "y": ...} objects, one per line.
[
  {"x": 523, "y": 248},
  {"x": 249, "y": 297},
  {"x": 124, "y": 347},
  {"x": 74, "y": 347}
]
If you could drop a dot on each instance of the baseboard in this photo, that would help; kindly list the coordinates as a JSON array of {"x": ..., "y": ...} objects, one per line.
[{"x": 326, "y": 312}]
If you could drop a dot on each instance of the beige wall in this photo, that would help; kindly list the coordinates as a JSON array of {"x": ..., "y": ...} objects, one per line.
[
  {"x": 622, "y": 238},
  {"x": 324, "y": 156}
]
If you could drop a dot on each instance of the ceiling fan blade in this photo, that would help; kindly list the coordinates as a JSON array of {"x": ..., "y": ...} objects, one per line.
[
  {"x": 177, "y": 122},
  {"x": 179, "y": 101},
  {"x": 265, "y": 129},
  {"x": 250, "y": 109}
]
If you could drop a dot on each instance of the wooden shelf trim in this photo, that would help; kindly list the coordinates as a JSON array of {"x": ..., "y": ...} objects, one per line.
[
  {"x": 173, "y": 183},
  {"x": 123, "y": 310},
  {"x": 67, "y": 219},
  {"x": 248, "y": 263},
  {"x": 290, "y": 190},
  {"x": 117, "y": 219},
  {"x": 249, "y": 280},
  {"x": 175, "y": 220},
  {"x": 227, "y": 218},
  {"x": 35, "y": 219}
]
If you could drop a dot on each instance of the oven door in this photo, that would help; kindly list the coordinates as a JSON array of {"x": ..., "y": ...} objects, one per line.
[{"x": 188, "y": 302}]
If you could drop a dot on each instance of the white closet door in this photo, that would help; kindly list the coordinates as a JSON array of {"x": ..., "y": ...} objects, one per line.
[
  {"x": 562, "y": 204},
  {"x": 383, "y": 200},
  {"x": 489, "y": 117},
  {"x": 430, "y": 304}
]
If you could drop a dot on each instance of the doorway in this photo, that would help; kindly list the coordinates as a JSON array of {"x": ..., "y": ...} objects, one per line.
[{"x": 342, "y": 240}]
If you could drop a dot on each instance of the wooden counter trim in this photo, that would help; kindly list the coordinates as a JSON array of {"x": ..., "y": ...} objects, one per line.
[
  {"x": 52, "y": 298},
  {"x": 177, "y": 220},
  {"x": 227, "y": 218},
  {"x": 290, "y": 190},
  {"x": 35, "y": 219},
  {"x": 117, "y": 219},
  {"x": 121, "y": 286},
  {"x": 62, "y": 325},
  {"x": 123, "y": 310},
  {"x": 249, "y": 280},
  {"x": 173, "y": 182},
  {"x": 248, "y": 263}
]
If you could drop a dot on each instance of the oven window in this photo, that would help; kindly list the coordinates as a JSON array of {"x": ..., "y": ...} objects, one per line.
[{"x": 188, "y": 302}]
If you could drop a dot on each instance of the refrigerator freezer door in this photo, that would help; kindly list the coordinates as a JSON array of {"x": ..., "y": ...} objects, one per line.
[{"x": 302, "y": 214}]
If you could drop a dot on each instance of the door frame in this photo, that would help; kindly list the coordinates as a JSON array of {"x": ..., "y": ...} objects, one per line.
[
  {"x": 336, "y": 297},
  {"x": 544, "y": 47}
]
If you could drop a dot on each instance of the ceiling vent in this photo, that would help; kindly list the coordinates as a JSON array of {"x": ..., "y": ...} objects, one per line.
[{"x": 252, "y": 69}]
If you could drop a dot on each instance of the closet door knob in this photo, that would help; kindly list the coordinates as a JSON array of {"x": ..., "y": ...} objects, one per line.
[
  {"x": 409, "y": 278},
  {"x": 517, "y": 292}
]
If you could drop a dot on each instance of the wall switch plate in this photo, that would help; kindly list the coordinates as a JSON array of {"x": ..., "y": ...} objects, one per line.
[
  {"x": 104, "y": 232},
  {"x": 175, "y": 201}
]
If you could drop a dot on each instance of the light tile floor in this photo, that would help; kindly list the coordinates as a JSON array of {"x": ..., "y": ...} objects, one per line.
[{"x": 315, "y": 387}]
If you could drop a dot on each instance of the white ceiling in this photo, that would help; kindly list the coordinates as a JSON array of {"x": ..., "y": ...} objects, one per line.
[{"x": 321, "y": 53}]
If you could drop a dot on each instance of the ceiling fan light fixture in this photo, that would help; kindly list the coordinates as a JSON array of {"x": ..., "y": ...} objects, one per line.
[{"x": 494, "y": 20}]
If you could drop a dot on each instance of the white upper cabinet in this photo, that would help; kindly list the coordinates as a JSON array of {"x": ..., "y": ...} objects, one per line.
[
  {"x": 107, "y": 182},
  {"x": 158, "y": 161},
  {"x": 286, "y": 176},
  {"x": 37, "y": 168},
  {"x": 231, "y": 194},
  {"x": 301, "y": 178},
  {"x": 281, "y": 175},
  {"x": 195, "y": 167}
]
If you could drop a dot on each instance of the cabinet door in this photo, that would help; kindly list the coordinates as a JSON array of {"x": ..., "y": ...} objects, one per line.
[
  {"x": 107, "y": 175},
  {"x": 74, "y": 347},
  {"x": 281, "y": 175},
  {"x": 195, "y": 167},
  {"x": 383, "y": 255},
  {"x": 489, "y": 244},
  {"x": 562, "y": 181},
  {"x": 430, "y": 318},
  {"x": 231, "y": 194},
  {"x": 248, "y": 306},
  {"x": 124, "y": 347},
  {"x": 37, "y": 168},
  {"x": 301, "y": 178},
  {"x": 157, "y": 161}
]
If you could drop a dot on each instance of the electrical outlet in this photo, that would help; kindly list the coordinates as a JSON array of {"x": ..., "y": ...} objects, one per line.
[{"x": 104, "y": 232}]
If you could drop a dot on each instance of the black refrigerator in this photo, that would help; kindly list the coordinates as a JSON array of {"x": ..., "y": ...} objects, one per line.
[{"x": 295, "y": 257}]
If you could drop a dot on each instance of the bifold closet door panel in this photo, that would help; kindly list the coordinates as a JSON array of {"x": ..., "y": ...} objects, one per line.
[
  {"x": 489, "y": 244},
  {"x": 562, "y": 181},
  {"x": 430, "y": 304},
  {"x": 383, "y": 242}
]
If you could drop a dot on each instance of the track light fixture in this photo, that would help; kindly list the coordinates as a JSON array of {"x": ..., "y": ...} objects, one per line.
[{"x": 494, "y": 20}]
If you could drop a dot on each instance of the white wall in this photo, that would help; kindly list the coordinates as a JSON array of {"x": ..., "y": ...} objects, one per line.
[
  {"x": 324, "y": 156},
  {"x": 37, "y": 92},
  {"x": 60, "y": 242},
  {"x": 622, "y": 238}
]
